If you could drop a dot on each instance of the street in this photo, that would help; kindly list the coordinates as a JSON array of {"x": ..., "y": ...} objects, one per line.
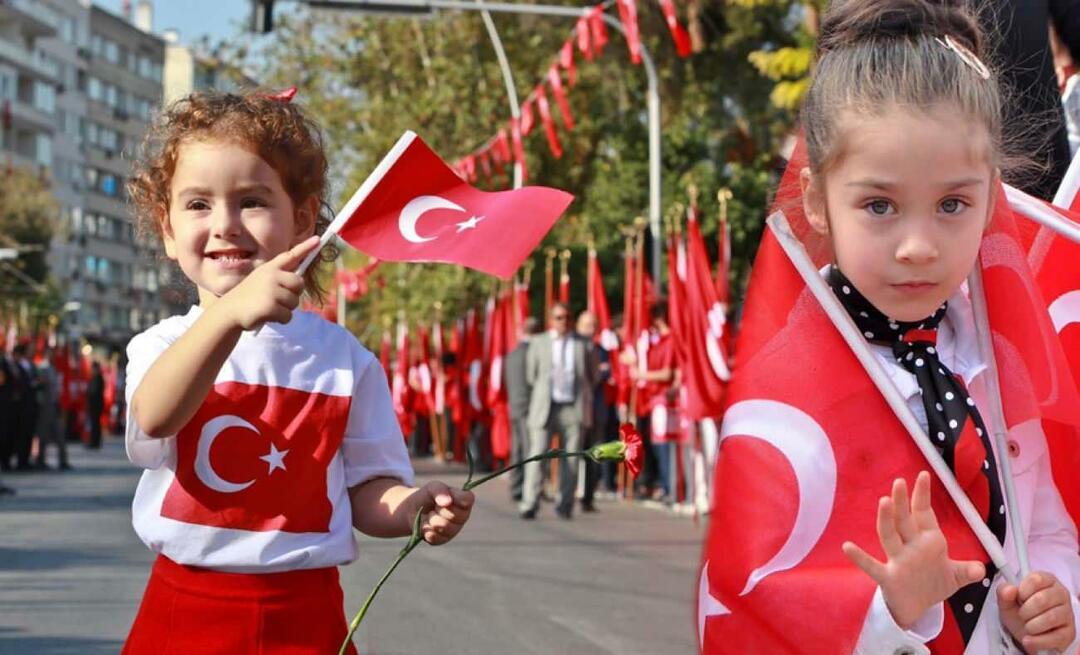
[{"x": 621, "y": 580}]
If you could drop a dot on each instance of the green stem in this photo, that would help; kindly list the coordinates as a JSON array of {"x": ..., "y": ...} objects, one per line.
[
  {"x": 551, "y": 454},
  {"x": 415, "y": 540}
]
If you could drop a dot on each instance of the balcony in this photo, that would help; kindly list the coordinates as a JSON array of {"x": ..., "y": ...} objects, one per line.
[
  {"x": 26, "y": 60},
  {"x": 29, "y": 117},
  {"x": 34, "y": 19}
]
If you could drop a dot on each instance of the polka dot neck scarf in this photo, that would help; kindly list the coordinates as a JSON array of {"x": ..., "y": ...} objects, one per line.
[{"x": 953, "y": 423}]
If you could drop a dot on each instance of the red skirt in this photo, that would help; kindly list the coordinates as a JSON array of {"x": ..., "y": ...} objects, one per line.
[{"x": 189, "y": 610}]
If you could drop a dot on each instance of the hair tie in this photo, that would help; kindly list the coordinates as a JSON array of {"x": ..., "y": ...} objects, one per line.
[
  {"x": 284, "y": 96},
  {"x": 966, "y": 56}
]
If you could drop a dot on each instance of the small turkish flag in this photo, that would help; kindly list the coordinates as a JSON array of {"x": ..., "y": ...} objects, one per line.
[
  {"x": 414, "y": 208},
  {"x": 255, "y": 458}
]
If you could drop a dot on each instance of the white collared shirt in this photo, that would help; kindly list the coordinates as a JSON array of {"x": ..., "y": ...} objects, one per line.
[{"x": 562, "y": 367}]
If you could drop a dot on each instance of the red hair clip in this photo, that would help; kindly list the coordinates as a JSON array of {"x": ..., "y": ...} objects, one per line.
[{"x": 284, "y": 96}]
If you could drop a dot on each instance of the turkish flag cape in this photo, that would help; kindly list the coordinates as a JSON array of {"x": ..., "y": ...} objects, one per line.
[
  {"x": 497, "y": 400},
  {"x": 801, "y": 465},
  {"x": 414, "y": 208},
  {"x": 705, "y": 366}
]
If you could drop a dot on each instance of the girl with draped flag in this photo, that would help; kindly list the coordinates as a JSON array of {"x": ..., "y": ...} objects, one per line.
[{"x": 893, "y": 327}]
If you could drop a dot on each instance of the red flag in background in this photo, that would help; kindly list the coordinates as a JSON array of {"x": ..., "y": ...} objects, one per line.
[
  {"x": 473, "y": 361},
  {"x": 384, "y": 354},
  {"x": 584, "y": 39},
  {"x": 522, "y": 290},
  {"x": 413, "y": 207},
  {"x": 439, "y": 381},
  {"x": 566, "y": 61},
  {"x": 564, "y": 280},
  {"x": 519, "y": 148},
  {"x": 528, "y": 121},
  {"x": 628, "y": 16},
  {"x": 549, "y": 124},
  {"x": 678, "y": 33},
  {"x": 598, "y": 30},
  {"x": 557, "y": 90},
  {"x": 400, "y": 390},
  {"x": 677, "y": 309},
  {"x": 501, "y": 344},
  {"x": 425, "y": 400},
  {"x": 706, "y": 364},
  {"x": 597, "y": 304}
]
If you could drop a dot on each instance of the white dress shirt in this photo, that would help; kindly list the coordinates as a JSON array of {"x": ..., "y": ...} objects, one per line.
[{"x": 562, "y": 367}]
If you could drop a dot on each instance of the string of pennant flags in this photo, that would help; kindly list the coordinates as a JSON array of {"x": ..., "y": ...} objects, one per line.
[{"x": 588, "y": 38}]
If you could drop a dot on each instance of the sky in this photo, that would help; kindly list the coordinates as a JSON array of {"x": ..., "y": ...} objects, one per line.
[{"x": 218, "y": 19}]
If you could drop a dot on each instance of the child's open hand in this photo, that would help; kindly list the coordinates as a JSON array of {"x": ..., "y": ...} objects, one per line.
[
  {"x": 1038, "y": 613},
  {"x": 446, "y": 511},
  {"x": 271, "y": 292},
  {"x": 918, "y": 573}
]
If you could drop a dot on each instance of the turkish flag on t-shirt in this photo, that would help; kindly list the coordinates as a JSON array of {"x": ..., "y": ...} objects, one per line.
[
  {"x": 255, "y": 457},
  {"x": 414, "y": 208}
]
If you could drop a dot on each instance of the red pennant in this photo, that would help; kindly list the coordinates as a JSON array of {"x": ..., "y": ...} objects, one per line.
[
  {"x": 598, "y": 29},
  {"x": 566, "y": 60},
  {"x": 519, "y": 148},
  {"x": 628, "y": 16},
  {"x": 549, "y": 125},
  {"x": 528, "y": 121},
  {"x": 678, "y": 33},
  {"x": 484, "y": 157},
  {"x": 584, "y": 40},
  {"x": 555, "y": 80}
]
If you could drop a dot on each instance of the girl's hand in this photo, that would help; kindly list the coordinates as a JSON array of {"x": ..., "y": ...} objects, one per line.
[
  {"x": 1038, "y": 613},
  {"x": 918, "y": 573},
  {"x": 271, "y": 292},
  {"x": 446, "y": 511}
]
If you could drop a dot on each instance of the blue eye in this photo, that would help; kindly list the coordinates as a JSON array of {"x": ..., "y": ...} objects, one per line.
[
  {"x": 878, "y": 207},
  {"x": 953, "y": 206}
]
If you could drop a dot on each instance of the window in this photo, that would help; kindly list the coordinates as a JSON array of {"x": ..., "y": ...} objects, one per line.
[
  {"x": 110, "y": 95},
  {"x": 43, "y": 150},
  {"x": 7, "y": 85},
  {"x": 94, "y": 90},
  {"x": 67, "y": 29},
  {"x": 108, "y": 185},
  {"x": 44, "y": 97},
  {"x": 112, "y": 51}
]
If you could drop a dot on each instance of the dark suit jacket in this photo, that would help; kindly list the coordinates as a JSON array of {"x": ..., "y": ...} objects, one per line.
[
  {"x": 517, "y": 383},
  {"x": 1020, "y": 47}
]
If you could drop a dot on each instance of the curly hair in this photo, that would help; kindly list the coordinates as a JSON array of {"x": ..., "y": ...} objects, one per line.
[{"x": 276, "y": 130}]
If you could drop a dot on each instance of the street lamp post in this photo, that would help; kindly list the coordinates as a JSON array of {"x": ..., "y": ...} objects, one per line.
[{"x": 652, "y": 98}]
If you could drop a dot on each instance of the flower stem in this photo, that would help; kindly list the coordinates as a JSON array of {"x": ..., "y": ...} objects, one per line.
[{"x": 551, "y": 454}]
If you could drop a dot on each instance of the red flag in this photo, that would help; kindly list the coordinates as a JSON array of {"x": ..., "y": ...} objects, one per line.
[
  {"x": 628, "y": 16},
  {"x": 549, "y": 124},
  {"x": 584, "y": 39},
  {"x": 564, "y": 286},
  {"x": 491, "y": 232},
  {"x": 678, "y": 33},
  {"x": 677, "y": 309},
  {"x": 423, "y": 373},
  {"x": 597, "y": 304},
  {"x": 400, "y": 391},
  {"x": 557, "y": 90},
  {"x": 437, "y": 365},
  {"x": 528, "y": 121},
  {"x": 519, "y": 148},
  {"x": 566, "y": 60},
  {"x": 484, "y": 157},
  {"x": 723, "y": 261},
  {"x": 706, "y": 364},
  {"x": 283, "y": 490},
  {"x": 473, "y": 361},
  {"x": 796, "y": 460},
  {"x": 522, "y": 290},
  {"x": 384, "y": 354},
  {"x": 597, "y": 29}
]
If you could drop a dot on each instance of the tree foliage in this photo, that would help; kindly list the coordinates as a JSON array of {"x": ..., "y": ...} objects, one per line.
[{"x": 369, "y": 78}]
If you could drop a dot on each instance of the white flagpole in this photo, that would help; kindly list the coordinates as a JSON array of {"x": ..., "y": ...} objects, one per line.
[
  {"x": 997, "y": 418},
  {"x": 839, "y": 317},
  {"x": 1037, "y": 211}
]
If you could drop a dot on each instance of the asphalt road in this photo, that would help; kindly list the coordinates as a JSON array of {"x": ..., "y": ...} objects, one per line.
[{"x": 621, "y": 580}]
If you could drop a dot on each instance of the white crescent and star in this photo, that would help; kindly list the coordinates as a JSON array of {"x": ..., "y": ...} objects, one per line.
[
  {"x": 1065, "y": 310},
  {"x": 412, "y": 212},
  {"x": 213, "y": 428}
]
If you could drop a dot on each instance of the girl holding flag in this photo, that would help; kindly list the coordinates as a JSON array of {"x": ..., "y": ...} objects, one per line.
[
  {"x": 263, "y": 449},
  {"x": 897, "y": 192}
]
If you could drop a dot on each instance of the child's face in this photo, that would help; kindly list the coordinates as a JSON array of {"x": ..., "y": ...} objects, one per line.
[
  {"x": 905, "y": 206},
  {"x": 228, "y": 213}
]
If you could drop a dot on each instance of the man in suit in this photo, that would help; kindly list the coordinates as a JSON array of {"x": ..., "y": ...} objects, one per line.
[
  {"x": 596, "y": 413},
  {"x": 519, "y": 393},
  {"x": 558, "y": 371}
]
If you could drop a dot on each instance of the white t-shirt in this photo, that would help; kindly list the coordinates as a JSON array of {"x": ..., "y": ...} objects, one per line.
[{"x": 257, "y": 481}]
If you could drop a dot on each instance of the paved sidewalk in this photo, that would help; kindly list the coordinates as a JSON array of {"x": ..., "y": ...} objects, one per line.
[{"x": 621, "y": 581}]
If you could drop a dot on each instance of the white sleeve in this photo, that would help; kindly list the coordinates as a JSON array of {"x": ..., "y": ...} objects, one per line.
[
  {"x": 142, "y": 449},
  {"x": 373, "y": 445},
  {"x": 1052, "y": 541},
  {"x": 881, "y": 636}
]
